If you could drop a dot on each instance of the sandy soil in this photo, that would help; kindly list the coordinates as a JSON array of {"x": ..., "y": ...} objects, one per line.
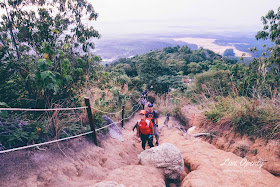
[
  {"x": 243, "y": 146},
  {"x": 80, "y": 163},
  {"x": 208, "y": 43},
  {"x": 208, "y": 166},
  {"x": 77, "y": 163}
]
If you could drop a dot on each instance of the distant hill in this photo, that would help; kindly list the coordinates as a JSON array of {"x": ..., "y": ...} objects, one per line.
[
  {"x": 113, "y": 49},
  {"x": 110, "y": 50}
]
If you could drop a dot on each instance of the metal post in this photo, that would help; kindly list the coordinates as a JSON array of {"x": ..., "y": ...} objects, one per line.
[
  {"x": 122, "y": 114},
  {"x": 90, "y": 119}
]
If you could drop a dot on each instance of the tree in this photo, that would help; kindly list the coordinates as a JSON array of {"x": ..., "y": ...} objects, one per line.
[
  {"x": 229, "y": 52},
  {"x": 212, "y": 82},
  {"x": 193, "y": 68},
  {"x": 57, "y": 22},
  {"x": 149, "y": 68},
  {"x": 271, "y": 31},
  {"x": 164, "y": 83},
  {"x": 185, "y": 49},
  {"x": 45, "y": 45}
]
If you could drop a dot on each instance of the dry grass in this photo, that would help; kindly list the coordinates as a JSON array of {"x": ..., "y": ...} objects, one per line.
[
  {"x": 171, "y": 105},
  {"x": 251, "y": 116}
]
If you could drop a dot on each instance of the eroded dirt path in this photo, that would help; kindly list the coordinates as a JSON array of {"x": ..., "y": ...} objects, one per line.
[
  {"x": 83, "y": 164},
  {"x": 249, "y": 147},
  {"x": 209, "y": 166},
  {"x": 77, "y": 163}
]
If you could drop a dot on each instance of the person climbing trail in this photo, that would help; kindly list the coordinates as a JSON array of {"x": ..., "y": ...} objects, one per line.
[
  {"x": 143, "y": 102},
  {"x": 145, "y": 129},
  {"x": 153, "y": 116},
  {"x": 144, "y": 94}
]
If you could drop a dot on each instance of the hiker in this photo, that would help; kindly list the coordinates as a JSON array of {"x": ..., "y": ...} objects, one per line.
[
  {"x": 153, "y": 116},
  {"x": 144, "y": 94},
  {"x": 143, "y": 101},
  {"x": 145, "y": 129}
]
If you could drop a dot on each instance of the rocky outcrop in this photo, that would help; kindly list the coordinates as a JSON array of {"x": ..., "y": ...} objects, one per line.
[{"x": 165, "y": 156}]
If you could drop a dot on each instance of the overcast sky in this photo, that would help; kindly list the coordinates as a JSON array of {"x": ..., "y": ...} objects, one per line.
[{"x": 180, "y": 16}]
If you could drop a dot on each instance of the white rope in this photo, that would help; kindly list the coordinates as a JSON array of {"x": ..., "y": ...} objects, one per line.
[
  {"x": 45, "y": 143},
  {"x": 54, "y": 141},
  {"x": 133, "y": 113},
  {"x": 115, "y": 112},
  {"x": 107, "y": 125},
  {"x": 132, "y": 107},
  {"x": 40, "y": 109}
]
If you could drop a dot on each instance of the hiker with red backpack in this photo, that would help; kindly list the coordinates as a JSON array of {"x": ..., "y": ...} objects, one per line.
[
  {"x": 145, "y": 129},
  {"x": 153, "y": 116}
]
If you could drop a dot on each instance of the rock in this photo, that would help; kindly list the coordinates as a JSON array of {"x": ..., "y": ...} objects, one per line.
[
  {"x": 108, "y": 184},
  {"x": 192, "y": 130},
  {"x": 114, "y": 130},
  {"x": 165, "y": 156}
]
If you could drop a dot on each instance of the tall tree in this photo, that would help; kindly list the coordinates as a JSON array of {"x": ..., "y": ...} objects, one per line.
[
  {"x": 271, "y": 31},
  {"x": 41, "y": 42}
]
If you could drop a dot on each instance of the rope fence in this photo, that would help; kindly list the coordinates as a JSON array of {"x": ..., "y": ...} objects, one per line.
[
  {"x": 45, "y": 143},
  {"x": 133, "y": 113},
  {"x": 40, "y": 110},
  {"x": 92, "y": 125},
  {"x": 117, "y": 111},
  {"x": 132, "y": 107}
]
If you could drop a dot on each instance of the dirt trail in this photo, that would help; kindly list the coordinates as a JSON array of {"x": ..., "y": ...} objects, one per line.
[
  {"x": 80, "y": 164},
  {"x": 249, "y": 147},
  {"x": 209, "y": 166},
  {"x": 83, "y": 164}
]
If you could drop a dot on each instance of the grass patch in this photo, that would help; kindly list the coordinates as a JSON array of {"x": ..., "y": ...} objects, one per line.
[{"x": 260, "y": 117}]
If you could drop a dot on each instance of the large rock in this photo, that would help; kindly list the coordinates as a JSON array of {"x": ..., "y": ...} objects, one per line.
[
  {"x": 165, "y": 156},
  {"x": 114, "y": 131}
]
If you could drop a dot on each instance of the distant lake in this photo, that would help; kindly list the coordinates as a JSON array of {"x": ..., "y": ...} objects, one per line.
[{"x": 209, "y": 43}]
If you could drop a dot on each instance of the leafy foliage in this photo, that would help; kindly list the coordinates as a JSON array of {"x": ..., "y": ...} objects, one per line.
[
  {"x": 163, "y": 70},
  {"x": 45, "y": 50}
]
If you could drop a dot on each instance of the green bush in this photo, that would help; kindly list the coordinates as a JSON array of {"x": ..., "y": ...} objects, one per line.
[{"x": 212, "y": 83}]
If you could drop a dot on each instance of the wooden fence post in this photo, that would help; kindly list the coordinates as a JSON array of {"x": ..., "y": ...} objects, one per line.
[
  {"x": 122, "y": 114},
  {"x": 90, "y": 119}
]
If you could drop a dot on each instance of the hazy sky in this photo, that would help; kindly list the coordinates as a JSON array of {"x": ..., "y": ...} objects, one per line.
[{"x": 180, "y": 16}]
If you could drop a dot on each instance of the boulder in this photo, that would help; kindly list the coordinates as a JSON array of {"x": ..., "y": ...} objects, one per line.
[
  {"x": 165, "y": 156},
  {"x": 114, "y": 131}
]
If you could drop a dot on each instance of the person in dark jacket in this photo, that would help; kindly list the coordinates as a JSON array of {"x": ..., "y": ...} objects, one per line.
[{"x": 153, "y": 116}]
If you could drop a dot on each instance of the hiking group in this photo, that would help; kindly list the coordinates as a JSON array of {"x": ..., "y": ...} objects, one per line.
[{"x": 147, "y": 125}]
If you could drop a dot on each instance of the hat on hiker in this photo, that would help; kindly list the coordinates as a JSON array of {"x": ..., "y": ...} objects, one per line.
[
  {"x": 150, "y": 105},
  {"x": 143, "y": 112}
]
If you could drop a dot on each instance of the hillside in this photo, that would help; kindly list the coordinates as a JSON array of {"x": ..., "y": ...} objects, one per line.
[
  {"x": 80, "y": 163},
  {"x": 54, "y": 88}
]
